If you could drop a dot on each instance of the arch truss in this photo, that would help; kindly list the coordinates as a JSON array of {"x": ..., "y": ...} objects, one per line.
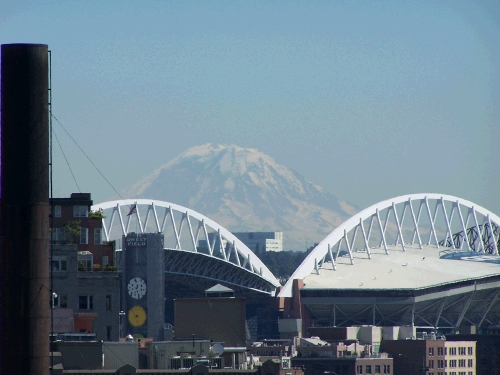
[
  {"x": 216, "y": 252},
  {"x": 417, "y": 219},
  {"x": 485, "y": 232}
]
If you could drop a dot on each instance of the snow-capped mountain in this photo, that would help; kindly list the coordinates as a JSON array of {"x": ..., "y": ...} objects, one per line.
[{"x": 246, "y": 190}]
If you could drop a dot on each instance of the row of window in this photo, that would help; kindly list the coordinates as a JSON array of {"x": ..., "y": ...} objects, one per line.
[
  {"x": 453, "y": 373},
  {"x": 61, "y": 235},
  {"x": 85, "y": 302},
  {"x": 453, "y": 351},
  {"x": 376, "y": 368},
  {"x": 59, "y": 263},
  {"x": 452, "y": 363},
  {"x": 78, "y": 211}
]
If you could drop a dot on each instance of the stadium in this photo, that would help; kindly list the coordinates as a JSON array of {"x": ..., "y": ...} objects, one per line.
[
  {"x": 431, "y": 263},
  {"x": 421, "y": 260},
  {"x": 188, "y": 269}
]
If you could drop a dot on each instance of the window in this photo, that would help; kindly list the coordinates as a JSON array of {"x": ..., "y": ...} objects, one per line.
[
  {"x": 59, "y": 264},
  {"x": 470, "y": 350},
  {"x": 440, "y": 363},
  {"x": 461, "y": 350},
  {"x": 431, "y": 363},
  {"x": 80, "y": 211},
  {"x": 377, "y": 369},
  {"x": 59, "y": 235},
  {"x": 85, "y": 261},
  {"x": 453, "y": 351},
  {"x": 108, "y": 302},
  {"x": 368, "y": 369},
  {"x": 84, "y": 236},
  {"x": 61, "y": 300},
  {"x": 97, "y": 236},
  {"x": 86, "y": 302},
  {"x": 387, "y": 369},
  {"x": 57, "y": 211},
  {"x": 470, "y": 363},
  {"x": 431, "y": 352},
  {"x": 85, "y": 265},
  {"x": 440, "y": 352},
  {"x": 453, "y": 363},
  {"x": 360, "y": 369},
  {"x": 461, "y": 362}
]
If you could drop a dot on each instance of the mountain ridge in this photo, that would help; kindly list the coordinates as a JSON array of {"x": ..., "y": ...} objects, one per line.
[{"x": 244, "y": 189}]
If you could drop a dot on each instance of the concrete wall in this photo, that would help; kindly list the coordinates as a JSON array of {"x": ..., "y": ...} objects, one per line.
[
  {"x": 335, "y": 333},
  {"x": 63, "y": 320},
  {"x": 80, "y": 355},
  {"x": 369, "y": 334},
  {"x": 218, "y": 319},
  {"x": 407, "y": 332},
  {"x": 156, "y": 287},
  {"x": 117, "y": 354}
]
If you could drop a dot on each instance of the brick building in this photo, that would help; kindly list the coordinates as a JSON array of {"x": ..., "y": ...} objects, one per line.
[
  {"x": 72, "y": 222},
  {"x": 85, "y": 280}
]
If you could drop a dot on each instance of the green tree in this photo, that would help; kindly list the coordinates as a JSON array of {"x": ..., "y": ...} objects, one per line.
[
  {"x": 99, "y": 214},
  {"x": 72, "y": 229}
]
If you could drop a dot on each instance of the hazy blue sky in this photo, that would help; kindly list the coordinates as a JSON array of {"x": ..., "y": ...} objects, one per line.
[{"x": 370, "y": 99}]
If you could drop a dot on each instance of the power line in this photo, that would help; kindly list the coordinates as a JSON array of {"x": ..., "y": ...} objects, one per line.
[
  {"x": 67, "y": 162},
  {"x": 85, "y": 154}
]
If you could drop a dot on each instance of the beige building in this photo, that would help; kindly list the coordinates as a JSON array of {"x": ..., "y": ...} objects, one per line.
[{"x": 434, "y": 356}]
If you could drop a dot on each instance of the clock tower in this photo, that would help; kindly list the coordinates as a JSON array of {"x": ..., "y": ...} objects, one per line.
[{"x": 143, "y": 285}]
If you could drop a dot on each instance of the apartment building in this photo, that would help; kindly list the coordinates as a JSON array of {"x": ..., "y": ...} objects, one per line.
[{"x": 432, "y": 356}]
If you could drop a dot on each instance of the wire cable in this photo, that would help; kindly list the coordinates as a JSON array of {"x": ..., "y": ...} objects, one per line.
[
  {"x": 88, "y": 158},
  {"x": 67, "y": 162}
]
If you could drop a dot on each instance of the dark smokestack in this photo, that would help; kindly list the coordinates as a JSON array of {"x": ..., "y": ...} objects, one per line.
[{"x": 24, "y": 213}]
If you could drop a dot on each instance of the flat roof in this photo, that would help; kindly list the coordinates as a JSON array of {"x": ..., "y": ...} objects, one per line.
[{"x": 411, "y": 269}]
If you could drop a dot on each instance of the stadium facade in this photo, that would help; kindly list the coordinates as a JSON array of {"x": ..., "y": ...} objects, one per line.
[{"x": 395, "y": 272}]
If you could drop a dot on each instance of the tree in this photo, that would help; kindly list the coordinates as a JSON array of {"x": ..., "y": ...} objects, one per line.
[
  {"x": 99, "y": 214},
  {"x": 72, "y": 229}
]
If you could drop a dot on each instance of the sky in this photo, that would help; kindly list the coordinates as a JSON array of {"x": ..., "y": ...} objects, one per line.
[{"x": 369, "y": 99}]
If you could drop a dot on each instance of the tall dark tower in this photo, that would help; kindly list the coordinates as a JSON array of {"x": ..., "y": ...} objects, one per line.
[
  {"x": 143, "y": 284},
  {"x": 24, "y": 213}
]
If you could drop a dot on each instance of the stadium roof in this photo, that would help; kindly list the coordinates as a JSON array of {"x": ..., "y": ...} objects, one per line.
[{"x": 413, "y": 269}]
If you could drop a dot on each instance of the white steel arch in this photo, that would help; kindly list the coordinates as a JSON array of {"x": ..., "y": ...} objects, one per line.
[
  {"x": 161, "y": 216},
  {"x": 328, "y": 249}
]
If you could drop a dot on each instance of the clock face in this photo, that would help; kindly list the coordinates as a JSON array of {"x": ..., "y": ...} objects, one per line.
[
  {"x": 137, "y": 316},
  {"x": 136, "y": 288}
]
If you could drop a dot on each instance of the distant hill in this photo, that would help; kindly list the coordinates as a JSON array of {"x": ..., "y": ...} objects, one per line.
[{"x": 246, "y": 190}]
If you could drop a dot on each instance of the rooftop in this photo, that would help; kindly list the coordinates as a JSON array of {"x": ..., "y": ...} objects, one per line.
[{"x": 412, "y": 269}]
